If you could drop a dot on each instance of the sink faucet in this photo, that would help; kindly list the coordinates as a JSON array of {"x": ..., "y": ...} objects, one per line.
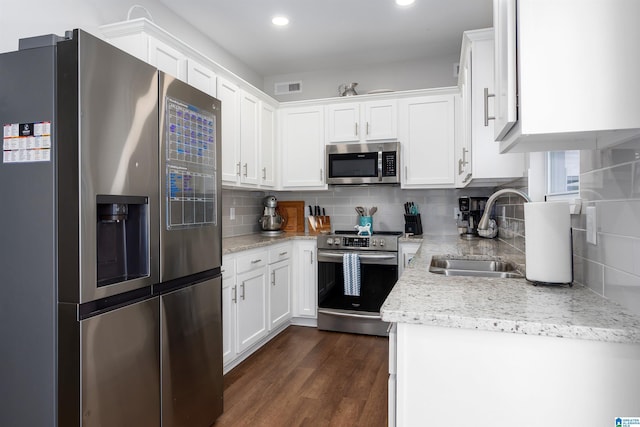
[{"x": 484, "y": 221}]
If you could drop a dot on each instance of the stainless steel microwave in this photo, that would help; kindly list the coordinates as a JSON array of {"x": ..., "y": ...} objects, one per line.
[{"x": 368, "y": 163}]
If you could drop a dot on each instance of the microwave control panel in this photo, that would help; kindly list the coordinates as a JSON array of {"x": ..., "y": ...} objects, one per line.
[{"x": 389, "y": 163}]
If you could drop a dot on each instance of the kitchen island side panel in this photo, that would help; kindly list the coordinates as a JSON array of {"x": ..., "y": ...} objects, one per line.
[{"x": 27, "y": 244}]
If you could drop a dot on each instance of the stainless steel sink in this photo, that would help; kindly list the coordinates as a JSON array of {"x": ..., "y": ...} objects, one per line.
[{"x": 474, "y": 267}]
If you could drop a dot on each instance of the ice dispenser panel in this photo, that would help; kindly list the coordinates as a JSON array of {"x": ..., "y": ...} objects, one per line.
[{"x": 122, "y": 238}]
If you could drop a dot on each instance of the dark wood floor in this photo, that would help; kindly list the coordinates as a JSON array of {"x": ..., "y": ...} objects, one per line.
[{"x": 307, "y": 377}]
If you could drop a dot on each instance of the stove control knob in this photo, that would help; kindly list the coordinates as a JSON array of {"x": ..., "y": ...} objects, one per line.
[
  {"x": 381, "y": 242},
  {"x": 329, "y": 241}
]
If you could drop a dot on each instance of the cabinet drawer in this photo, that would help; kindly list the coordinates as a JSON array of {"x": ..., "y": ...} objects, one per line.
[
  {"x": 251, "y": 261},
  {"x": 228, "y": 267},
  {"x": 279, "y": 253}
]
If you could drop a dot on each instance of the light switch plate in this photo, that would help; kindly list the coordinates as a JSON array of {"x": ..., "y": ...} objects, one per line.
[{"x": 591, "y": 224}]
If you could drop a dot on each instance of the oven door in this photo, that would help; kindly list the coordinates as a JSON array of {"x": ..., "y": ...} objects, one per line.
[{"x": 357, "y": 314}]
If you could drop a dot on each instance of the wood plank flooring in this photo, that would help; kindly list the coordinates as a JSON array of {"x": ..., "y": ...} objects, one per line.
[{"x": 307, "y": 377}]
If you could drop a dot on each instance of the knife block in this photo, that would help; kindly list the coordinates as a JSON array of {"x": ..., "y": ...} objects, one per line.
[
  {"x": 413, "y": 224},
  {"x": 319, "y": 224}
]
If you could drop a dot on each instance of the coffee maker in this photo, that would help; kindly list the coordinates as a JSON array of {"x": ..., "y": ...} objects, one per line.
[
  {"x": 471, "y": 210},
  {"x": 271, "y": 221}
]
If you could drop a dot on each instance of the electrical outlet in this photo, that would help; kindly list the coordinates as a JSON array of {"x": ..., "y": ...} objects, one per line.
[
  {"x": 232, "y": 213},
  {"x": 591, "y": 224}
]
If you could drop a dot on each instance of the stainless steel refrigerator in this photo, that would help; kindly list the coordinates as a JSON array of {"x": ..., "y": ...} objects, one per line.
[{"x": 110, "y": 244}]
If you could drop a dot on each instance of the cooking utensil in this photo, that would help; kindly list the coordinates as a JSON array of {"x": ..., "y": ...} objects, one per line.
[{"x": 373, "y": 210}]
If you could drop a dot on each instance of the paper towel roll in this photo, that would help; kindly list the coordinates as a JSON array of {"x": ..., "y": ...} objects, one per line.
[{"x": 548, "y": 242}]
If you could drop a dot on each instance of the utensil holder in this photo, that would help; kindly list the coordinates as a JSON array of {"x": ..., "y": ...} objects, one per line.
[
  {"x": 364, "y": 220},
  {"x": 413, "y": 224}
]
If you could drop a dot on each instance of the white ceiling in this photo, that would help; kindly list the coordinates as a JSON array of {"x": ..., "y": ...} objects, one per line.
[{"x": 334, "y": 34}]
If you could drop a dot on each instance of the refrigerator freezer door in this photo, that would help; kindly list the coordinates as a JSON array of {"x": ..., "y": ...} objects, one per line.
[
  {"x": 120, "y": 367},
  {"x": 191, "y": 340},
  {"x": 107, "y": 109}
]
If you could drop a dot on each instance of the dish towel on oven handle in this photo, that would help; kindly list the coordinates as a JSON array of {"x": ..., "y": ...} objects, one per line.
[{"x": 351, "y": 271}]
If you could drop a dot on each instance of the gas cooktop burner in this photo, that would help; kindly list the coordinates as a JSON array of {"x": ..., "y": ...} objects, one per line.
[{"x": 375, "y": 233}]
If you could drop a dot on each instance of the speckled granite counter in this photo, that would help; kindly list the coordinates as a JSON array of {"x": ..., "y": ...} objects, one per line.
[
  {"x": 252, "y": 241},
  {"x": 502, "y": 305}
]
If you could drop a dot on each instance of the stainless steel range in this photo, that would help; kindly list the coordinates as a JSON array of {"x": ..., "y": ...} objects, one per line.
[{"x": 377, "y": 260}]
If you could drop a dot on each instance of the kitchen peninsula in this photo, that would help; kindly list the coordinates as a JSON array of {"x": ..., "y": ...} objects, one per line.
[{"x": 495, "y": 350}]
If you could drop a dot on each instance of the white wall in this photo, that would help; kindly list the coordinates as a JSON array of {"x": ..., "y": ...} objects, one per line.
[
  {"x": 435, "y": 72},
  {"x": 38, "y": 17}
]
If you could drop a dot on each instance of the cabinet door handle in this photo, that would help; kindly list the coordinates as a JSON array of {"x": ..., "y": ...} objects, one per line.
[
  {"x": 283, "y": 253},
  {"x": 264, "y": 173},
  {"x": 255, "y": 261},
  {"x": 242, "y": 294},
  {"x": 406, "y": 174},
  {"x": 321, "y": 175},
  {"x": 463, "y": 161},
  {"x": 311, "y": 257},
  {"x": 235, "y": 294},
  {"x": 466, "y": 178},
  {"x": 273, "y": 278},
  {"x": 238, "y": 168},
  {"x": 356, "y": 123},
  {"x": 487, "y": 95},
  {"x": 246, "y": 169},
  {"x": 367, "y": 128}
]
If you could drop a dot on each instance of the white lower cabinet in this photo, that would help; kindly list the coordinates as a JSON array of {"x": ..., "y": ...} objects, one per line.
[
  {"x": 493, "y": 378},
  {"x": 257, "y": 300},
  {"x": 229, "y": 296},
  {"x": 244, "y": 303},
  {"x": 305, "y": 285},
  {"x": 279, "y": 285},
  {"x": 251, "y": 308}
]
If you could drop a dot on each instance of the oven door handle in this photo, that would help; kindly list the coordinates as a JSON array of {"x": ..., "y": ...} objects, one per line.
[
  {"x": 365, "y": 256},
  {"x": 337, "y": 313}
]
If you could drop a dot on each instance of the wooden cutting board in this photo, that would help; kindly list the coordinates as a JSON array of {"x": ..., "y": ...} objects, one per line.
[{"x": 293, "y": 211}]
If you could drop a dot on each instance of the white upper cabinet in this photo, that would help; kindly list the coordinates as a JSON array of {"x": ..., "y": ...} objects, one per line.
[
  {"x": 268, "y": 151},
  {"x": 302, "y": 141},
  {"x": 201, "y": 77},
  {"x": 570, "y": 87},
  {"x": 229, "y": 95},
  {"x": 427, "y": 140},
  {"x": 167, "y": 59},
  {"x": 484, "y": 158},
  {"x": 249, "y": 137},
  {"x": 362, "y": 121},
  {"x": 463, "y": 118}
]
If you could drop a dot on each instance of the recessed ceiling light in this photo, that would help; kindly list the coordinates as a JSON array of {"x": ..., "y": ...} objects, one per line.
[
  {"x": 280, "y": 21},
  {"x": 404, "y": 2}
]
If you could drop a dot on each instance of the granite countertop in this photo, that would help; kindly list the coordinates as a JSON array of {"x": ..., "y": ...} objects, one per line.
[
  {"x": 502, "y": 305},
  {"x": 252, "y": 241}
]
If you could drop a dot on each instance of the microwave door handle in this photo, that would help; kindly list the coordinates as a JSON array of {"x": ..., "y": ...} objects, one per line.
[{"x": 380, "y": 164}]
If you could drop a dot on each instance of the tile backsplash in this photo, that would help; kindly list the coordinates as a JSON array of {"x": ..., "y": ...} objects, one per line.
[
  {"x": 436, "y": 207},
  {"x": 610, "y": 181}
]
